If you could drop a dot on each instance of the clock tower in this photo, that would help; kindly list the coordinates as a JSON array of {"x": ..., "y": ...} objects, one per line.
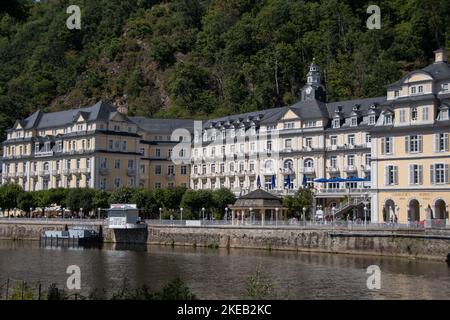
[{"x": 313, "y": 90}]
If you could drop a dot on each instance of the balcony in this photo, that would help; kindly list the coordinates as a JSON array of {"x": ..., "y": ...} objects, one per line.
[
  {"x": 33, "y": 174},
  {"x": 75, "y": 171},
  {"x": 287, "y": 171},
  {"x": 308, "y": 170},
  {"x": 131, "y": 172},
  {"x": 86, "y": 171},
  {"x": 42, "y": 154},
  {"x": 20, "y": 174},
  {"x": 366, "y": 167},
  {"x": 333, "y": 170},
  {"x": 240, "y": 173},
  {"x": 268, "y": 172},
  {"x": 170, "y": 176},
  {"x": 351, "y": 169},
  {"x": 104, "y": 171},
  {"x": 66, "y": 172},
  {"x": 44, "y": 173},
  {"x": 251, "y": 173},
  {"x": 55, "y": 172},
  {"x": 230, "y": 173}
]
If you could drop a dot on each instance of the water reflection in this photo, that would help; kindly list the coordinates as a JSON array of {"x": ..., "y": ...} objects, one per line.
[{"x": 222, "y": 273}]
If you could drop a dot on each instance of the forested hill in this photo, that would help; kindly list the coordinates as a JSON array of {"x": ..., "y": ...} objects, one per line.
[{"x": 194, "y": 58}]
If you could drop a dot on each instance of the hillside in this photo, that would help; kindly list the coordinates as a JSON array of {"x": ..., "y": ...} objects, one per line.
[{"x": 194, "y": 58}]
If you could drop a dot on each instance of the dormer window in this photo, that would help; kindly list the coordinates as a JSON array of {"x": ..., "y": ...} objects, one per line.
[
  {"x": 420, "y": 89},
  {"x": 414, "y": 114},
  {"x": 353, "y": 122},
  {"x": 372, "y": 119},
  {"x": 336, "y": 123},
  {"x": 413, "y": 90},
  {"x": 388, "y": 119},
  {"x": 242, "y": 132},
  {"x": 396, "y": 93}
]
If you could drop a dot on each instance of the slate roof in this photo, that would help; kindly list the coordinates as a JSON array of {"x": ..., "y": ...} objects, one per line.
[
  {"x": 40, "y": 120},
  {"x": 437, "y": 70},
  {"x": 153, "y": 125},
  {"x": 260, "y": 194}
]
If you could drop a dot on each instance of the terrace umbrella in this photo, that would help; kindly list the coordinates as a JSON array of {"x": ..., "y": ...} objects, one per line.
[
  {"x": 304, "y": 181},
  {"x": 273, "y": 182},
  {"x": 287, "y": 181},
  {"x": 258, "y": 182},
  {"x": 356, "y": 179},
  {"x": 321, "y": 180}
]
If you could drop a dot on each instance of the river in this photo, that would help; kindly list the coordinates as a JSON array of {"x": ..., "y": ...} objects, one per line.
[{"x": 223, "y": 274}]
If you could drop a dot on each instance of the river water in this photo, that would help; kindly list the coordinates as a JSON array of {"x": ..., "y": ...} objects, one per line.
[{"x": 223, "y": 274}]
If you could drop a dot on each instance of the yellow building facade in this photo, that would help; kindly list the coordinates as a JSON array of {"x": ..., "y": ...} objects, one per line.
[{"x": 95, "y": 147}]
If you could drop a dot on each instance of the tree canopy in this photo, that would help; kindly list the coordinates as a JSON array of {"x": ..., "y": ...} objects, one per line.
[{"x": 206, "y": 58}]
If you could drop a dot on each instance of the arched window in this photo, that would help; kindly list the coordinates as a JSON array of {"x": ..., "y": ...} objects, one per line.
[
  {"x": 309, "y": 163},
  {"x": 288, "y": 164},
  {"x": 46, "y": 166},
  {"x": 269, "y": 165}
]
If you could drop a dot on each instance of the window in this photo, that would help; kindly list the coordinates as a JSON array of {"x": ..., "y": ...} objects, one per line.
[
  {"x": 241, "y": 166},
  {"x": 425, "y": 113},
  {"x": 367, "y": 159},
  {"x": 288, "y": 143},
  {"x": 445, "y": 86},
  {"x": 222, "y": 167},
  {"x": 387, "y": 144},
  {"x": 251, "y": 166},
  {"x": 371, "y": 119},
  {"x": 131, "y": 164},
  {"x": 413, "y": 90},
  {"x": 336, "y": 123},
  {"x": 388, "y": 119},
  {"x": 414, "y": 114},
  {"x": 415, "y": 174},
  {"x": 308, "y": 142},
  {"x": 253, "y": 146},
  {"x": 232, "y": 149},
  {"x": 124, "y": 146},
  {"x": 110, "y": 144},
  {"x": 269, "y": 145},
  {"x": 351, "y": 160},
  {"x": 368, "y": 138},
  {"x": 333, "y": 140},
  {"x": 413, "y": 144},
  {"x": 223, "y": 150},
  {"x": 288, "y": 125},
  {"x": 396, "y": 93},
  {"x": 439, "y": 173},
  {"x": 402, "y": 116},
  {"x": 157, "y": 185},
  {"x": 158, "y": 169},
  {"x": 354, "y": 122},
  {"x": 213, "y": 151},
  {"x": 241, "y": 148},
  {"x": 231, "y": 166},
  {"x": 310, "y": 124},
  {"x": 117, "y": 183},
  {"x": 170, "y": 169},
  {"x": 351, "y": 139},
  {"x": 158, "y": 153},
  {"x": 420, "y": 89},
  {"x": 268, "y": 183},
  {"x": 391, "y": 175},
  {"x": 117, "y": 164},
  {"x": 78, "y": 163},
  {"x": 333, "y": 161},
  {"x": 213, "y": 168},
  {"x": 441, "y": 142}
]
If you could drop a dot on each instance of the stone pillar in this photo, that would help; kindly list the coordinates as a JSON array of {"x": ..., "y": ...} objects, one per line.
[
  {"x": 242, "y": 216},
  {"x": 263, "y": 218},
  {"x": 232, "y": 217}
]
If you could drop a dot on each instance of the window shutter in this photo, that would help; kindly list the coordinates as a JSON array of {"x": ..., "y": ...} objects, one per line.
[
  {"x": 383, "y": 145},
  {"x": 420, "y": 143},
  {"x": 420, "y": 174},
  {"x": 436, "y": 142},
  {"x": 411, "y": 174},
  {"x": 446, "y": 141},
  {"x": 395, "y": 174},
  {"x": 446, "y": 173},
  {"x": 407, "y": 144},
  {"x": 386, "y": 175},
  {"x": 432, "y": 174}
]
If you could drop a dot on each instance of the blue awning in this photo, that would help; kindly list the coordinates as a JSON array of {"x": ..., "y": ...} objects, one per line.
[{"x": 356, "y": 179}]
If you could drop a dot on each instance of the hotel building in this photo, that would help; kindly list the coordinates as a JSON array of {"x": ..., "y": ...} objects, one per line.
[
  {"x": 388, "y": 154},
  {"x": 96, "y": 147}
]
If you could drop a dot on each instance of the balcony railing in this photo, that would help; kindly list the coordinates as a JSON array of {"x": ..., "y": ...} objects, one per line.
[
  {"x": 44, "y": 173},
  {"x": 40, "y": 154},
  {"x": 131, "y": 172},
  {"x": 308, "y": 170},
  {"x": 333, "y": 170},
  {"x": 350, "y": 169},
  {"x": 170, "y": 176},
  {"x": 287, "y": 171},
  {"x": 366, "y": 167},
  {"x": 75, "y": 171},
  {"x": 86, "y": 170},
  {"x": 104, "y": 171},
  {"x": 66, "y": 172}
]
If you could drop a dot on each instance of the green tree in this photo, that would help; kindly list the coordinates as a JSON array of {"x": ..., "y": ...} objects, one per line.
[
  {"x": 123, "y": 194},
  {"x": 303, "y": 198},
  {"x": 9, "y": 194},
  {"x": 82, "y": 198},
  {"x": 221, "y": 199},
  {"x": 194, "y": 200},
  {"x": 26, "y": 201}
]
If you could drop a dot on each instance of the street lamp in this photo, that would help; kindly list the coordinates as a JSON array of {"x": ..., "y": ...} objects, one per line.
[
  {"x": 365, "y": 214},
  {"x": 81, "y": 211},
  {"x": 160, "y": 214},
  {"x": 276, "y": 216},
  {"x": 226, "y": 213},
  {"x": 31, "y": 210},
  {"x": 251, "y": 214},
  {"x": 203, "y": 213},
  {"x": 181, "y": 214},
  {"x": 304, "y": 214}
]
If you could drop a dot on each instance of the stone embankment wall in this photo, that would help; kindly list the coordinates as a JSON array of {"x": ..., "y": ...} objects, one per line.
[{"x": 430, "y": 244}]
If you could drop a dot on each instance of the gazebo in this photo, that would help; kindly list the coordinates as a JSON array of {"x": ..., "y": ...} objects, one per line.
[{"x": 257, "y": 204}]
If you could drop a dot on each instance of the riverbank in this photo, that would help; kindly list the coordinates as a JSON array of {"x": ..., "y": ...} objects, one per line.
[{"x": 431, "y": 244}]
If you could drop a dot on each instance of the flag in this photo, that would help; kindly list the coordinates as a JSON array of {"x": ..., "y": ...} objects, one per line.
[
  {"x": 258, "y": 182},
  {"x": 287, "y": 182},
  {"x": 304, "y": 181},
  {"x": 273, "y": 182}
]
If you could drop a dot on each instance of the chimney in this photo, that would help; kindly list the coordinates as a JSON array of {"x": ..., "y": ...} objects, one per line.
[{"x": 440, "y": 55}]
